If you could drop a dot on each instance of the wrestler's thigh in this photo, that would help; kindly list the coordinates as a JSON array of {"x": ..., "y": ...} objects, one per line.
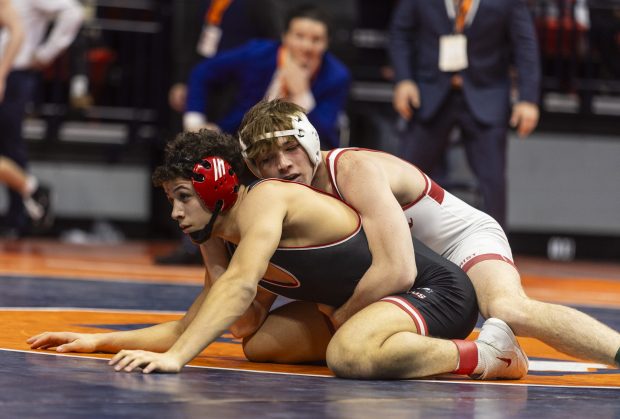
[
  {"x": 374, "y": 324},
  {"x": 294, "y": 333},
  {"x": 495, "y": 282}
]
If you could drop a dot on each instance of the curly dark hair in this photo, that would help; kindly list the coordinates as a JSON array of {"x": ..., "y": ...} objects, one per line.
[{"x": 188, "y": 148}]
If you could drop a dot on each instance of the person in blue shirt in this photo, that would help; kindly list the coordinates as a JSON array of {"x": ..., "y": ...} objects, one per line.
[{"x": 297, "y": 68}]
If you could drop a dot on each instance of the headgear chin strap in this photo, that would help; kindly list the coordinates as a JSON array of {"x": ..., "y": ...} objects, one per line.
[
  {"x": 201, "y": 236},
  {"x": 217, "y": 186},
  {"x": 303, "y": 131}
]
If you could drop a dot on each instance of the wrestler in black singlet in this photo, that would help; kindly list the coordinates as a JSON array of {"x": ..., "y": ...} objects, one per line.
[{"x": 327, "y": 274}]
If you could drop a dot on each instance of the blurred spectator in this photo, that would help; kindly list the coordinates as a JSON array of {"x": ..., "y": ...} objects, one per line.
[
  {"x": 201, "y": 30},
  {"x": 452, "y": 62},
  {"x": 13, "y": 36},
  {"x": 298, "y": 69},
  {"x": 226, "y": 25},
  {"x": 35, "y": 197},
  {"x": 37, "y": 51}
]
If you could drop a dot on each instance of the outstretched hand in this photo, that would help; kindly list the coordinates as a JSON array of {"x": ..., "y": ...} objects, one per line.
[
  {"x": 128, "y": 360},
  {"x": 64, "y": 341}
]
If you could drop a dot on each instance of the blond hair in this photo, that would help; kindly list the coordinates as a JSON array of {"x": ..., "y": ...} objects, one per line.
[{"x": 263, "y": 118}]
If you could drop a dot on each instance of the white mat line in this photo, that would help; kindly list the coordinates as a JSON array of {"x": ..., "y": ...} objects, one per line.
[{"x": 473, "y": 382}]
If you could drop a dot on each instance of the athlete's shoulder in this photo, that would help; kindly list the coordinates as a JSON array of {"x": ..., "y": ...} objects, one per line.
[
  {"x": 276, "y": 188},
  {"x": 264, "y": 196},
  {"x": 356, "y": 160},
  {"x": 267, "y": 185}
]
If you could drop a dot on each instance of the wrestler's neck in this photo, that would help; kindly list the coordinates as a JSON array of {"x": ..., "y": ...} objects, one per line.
[
  {"x": 226, "y": 225},
  {"x": 320, "y": 180}
]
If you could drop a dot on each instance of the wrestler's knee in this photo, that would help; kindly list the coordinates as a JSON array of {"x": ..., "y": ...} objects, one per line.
[
  {"x": 257, "y": 350},
  {"x": 516, "y": 312},
  {"x": 347, "y": 358}
]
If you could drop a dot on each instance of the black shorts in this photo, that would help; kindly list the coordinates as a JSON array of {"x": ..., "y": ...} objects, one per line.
[{"x": 442, "y": 301}]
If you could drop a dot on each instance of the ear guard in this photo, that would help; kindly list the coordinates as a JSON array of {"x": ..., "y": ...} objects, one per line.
[
  {"x": 303, "y": 131},
  {"x": 216, "y": 183}
]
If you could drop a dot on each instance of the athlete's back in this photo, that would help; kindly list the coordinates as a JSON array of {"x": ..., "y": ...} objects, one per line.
[
  {"x": 446, "y": 224},
  {"x": 313, "y": 218}
]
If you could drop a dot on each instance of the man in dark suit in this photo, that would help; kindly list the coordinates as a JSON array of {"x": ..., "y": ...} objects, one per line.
[{"x": 453, "y": 62}]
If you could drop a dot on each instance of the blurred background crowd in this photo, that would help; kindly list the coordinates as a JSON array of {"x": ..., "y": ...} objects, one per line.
[{"x": 97, "y": 88}]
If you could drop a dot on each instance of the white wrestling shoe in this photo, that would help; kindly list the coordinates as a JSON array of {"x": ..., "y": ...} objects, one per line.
[{"x": 499, "y": 353}]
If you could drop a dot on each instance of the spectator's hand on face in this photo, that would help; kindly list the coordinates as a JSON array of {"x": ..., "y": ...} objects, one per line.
[
  {"x": 295, "y": 77},
  {"x": 406, "y": 98},
  {"x": 177, "y": 96},
  {"x": 524, "y": 118}
]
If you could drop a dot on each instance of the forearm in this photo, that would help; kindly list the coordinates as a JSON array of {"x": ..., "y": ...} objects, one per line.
[
  {"x": 250, "y": 321},
  {"x": 376, "y": 284},
  {"x": 158, "y": 338},
  {"x": 62, "y": 35},
  {"x": 16, "y": 36},
  {"x": 226, "y": 302}
]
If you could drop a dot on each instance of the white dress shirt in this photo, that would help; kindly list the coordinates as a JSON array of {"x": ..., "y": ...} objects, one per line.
[{"x": 37, "y": 15}]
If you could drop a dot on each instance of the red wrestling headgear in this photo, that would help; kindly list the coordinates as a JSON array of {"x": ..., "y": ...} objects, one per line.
[
  {"x": 214, "y": 181},
  {"x": 216, "y": 184}
]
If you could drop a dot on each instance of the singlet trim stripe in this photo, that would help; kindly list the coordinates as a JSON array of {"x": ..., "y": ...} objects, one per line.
[
  {"x": 487, "y": 256},
  {"x": 332, "y": 158},
  {"x": 297, "y": 283},
  {"x": 413, "y": 312}
]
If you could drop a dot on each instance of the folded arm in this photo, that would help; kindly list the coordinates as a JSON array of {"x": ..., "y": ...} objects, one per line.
[{"x": 393, "y": 268}]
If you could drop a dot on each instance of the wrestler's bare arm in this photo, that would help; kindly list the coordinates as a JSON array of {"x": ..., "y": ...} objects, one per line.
[
  {"x": 231, "y": 295},
  {"x": 365, "y": 186},
  {"x": 216, "y": 259},
  {"x": 157, "y": 338},
  {"x": 160, "y": 337}
]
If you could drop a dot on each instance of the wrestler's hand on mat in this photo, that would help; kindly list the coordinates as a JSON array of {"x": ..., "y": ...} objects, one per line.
[
  {"x": 129, "y": 360},
  {"x": 64, "y": 341}
]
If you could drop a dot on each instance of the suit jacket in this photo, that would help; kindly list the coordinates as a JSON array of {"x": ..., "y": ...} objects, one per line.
[
  {"x": 252, "y": 66},
  {"x": 500, "y": 35}
]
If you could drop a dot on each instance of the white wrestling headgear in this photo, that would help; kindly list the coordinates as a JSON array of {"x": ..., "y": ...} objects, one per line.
[{"x": 303, "y": 131}]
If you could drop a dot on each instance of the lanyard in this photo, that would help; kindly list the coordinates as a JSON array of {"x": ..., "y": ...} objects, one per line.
[
  {"x": 216, "y": 10},
  {"x": 463, "y": 13},
  {"x": 463, "y": 9}
]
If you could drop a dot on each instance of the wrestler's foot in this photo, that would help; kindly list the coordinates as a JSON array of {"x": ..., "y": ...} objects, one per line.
[{"x": 499, "y": 353}]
